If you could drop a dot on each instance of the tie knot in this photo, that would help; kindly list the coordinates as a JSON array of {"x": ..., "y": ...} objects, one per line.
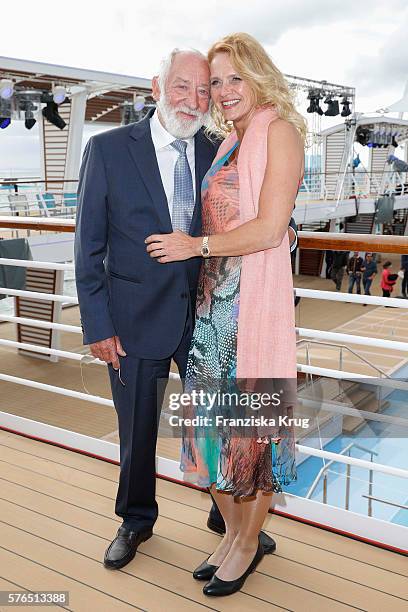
[{"x": 179, "y": 145}]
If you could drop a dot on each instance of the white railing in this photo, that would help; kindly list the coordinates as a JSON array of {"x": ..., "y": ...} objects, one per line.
[
  {"x": 301, "y": 331},
  {"x": 42, "y": 265},
  {"x": 168, "y": 466},
  {"x": 32, "y": 200}
]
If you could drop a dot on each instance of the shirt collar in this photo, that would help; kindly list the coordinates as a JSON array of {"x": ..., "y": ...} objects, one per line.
[{"x": 160, "y": 136}]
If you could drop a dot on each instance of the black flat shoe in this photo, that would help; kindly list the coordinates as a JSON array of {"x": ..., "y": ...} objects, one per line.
[
  {"x": 218, "y": 588},
  {"x": 205, "y": 571},
  {"x": 268, "y": 543},
  {"x": 123, "y": 548}
]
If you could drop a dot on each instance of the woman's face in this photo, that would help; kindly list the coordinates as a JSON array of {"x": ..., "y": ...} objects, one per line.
[{"x": 229, "y": 92}]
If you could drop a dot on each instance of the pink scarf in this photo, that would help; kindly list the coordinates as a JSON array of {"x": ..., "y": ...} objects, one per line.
[{"x": 266, "y": 324}]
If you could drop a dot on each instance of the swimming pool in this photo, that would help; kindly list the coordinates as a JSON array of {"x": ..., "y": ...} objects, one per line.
[{"x": 391, "y": 451}]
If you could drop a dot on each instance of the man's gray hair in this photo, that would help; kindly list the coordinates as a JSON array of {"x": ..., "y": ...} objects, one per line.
[{"x": 167, "y": 62}]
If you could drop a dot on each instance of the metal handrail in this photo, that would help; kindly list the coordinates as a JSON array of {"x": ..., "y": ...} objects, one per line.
[
  {"x": 385, "y": 501},
  {"x": 341, "y": 346},
  {"x": 307, "y": 240},
  {"x": 309, "y": 172},
  {"x": 324, "y": 469}
]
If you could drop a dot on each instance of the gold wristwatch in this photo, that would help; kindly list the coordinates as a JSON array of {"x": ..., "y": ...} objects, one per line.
[{"x": 205, "y": 249}]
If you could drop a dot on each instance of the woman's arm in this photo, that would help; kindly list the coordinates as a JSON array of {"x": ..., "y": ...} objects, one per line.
[{"x": 280, "y": 185}]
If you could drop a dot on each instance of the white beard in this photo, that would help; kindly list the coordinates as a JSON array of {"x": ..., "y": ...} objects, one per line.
[{"x": 175, "y": 125}]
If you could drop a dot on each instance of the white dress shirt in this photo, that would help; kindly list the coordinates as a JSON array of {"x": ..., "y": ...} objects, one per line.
[{"x": 167, "y": 156}]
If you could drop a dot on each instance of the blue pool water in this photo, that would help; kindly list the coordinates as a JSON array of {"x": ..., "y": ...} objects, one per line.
[{"x": 391, "y": 451}]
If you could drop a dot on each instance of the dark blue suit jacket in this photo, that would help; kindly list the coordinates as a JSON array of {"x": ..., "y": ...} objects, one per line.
[{"x": 121, "y": 200}]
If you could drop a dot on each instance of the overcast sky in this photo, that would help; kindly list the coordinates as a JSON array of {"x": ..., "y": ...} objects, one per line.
[{"x": 357, "y": 43}]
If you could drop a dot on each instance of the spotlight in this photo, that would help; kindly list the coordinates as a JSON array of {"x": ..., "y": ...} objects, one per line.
[
  {"x": 310, "y": 96},
  {"x": 50, "y": 112},
  {"x": 6, "y": 88},
  {"x": 363, "y": 136},
  {"x": 5, "y": 113},
  {"x": 30, "y": 122},
  {"x": 318, "y": 110},
  {"x": 314, "y": 97},
  {"x": 138, "y": 103},
  {"x": 58, "y": 94},
  {"x": 346, "y": 107},
  {"x": 332, "y": 107},
  {"x": 385, "y": 137},
  {"x": 29, "y": 115},
  {"x": 28, "y": 107}
]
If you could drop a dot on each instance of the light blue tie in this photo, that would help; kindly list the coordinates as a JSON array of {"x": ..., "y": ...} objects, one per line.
[{"x": 183, "y": 199}]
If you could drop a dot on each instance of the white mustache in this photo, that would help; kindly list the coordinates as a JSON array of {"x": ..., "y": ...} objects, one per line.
[{"x": 189, "y": 111}]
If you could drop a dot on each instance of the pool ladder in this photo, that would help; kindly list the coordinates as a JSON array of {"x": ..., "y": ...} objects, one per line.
[
  {"x": 342, "y": 347},
  {"x": 324, "y": 469}
]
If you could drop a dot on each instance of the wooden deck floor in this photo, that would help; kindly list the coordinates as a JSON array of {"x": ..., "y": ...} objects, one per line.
[{"x": 57, "y": 517}]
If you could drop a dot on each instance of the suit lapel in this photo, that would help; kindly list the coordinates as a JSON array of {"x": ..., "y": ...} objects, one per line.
[
  {"x": 204, "y": 153},
  {"x": 144, "y": 156}
]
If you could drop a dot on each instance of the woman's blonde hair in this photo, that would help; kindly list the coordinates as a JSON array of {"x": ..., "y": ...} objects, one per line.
[{"x": 267, "y": 83}]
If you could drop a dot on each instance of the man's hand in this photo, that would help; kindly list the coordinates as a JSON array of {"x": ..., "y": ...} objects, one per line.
[{"x": 108, "y": 351}]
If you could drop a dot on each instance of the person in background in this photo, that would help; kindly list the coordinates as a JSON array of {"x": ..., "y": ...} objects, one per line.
[
  {"x": 354, "y": 270},
  {"x": 329, "y": 263},
  {"x": 404, "y": 269},
  {"x": 369, "y": 272},
  {"x": 388, "y": 279},
  {"x": 340, "y": 259}
]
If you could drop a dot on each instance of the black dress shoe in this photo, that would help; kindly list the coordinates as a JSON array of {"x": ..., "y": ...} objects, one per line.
[
  {"x": 218, "y": 588},
  {"x": 268, "y": 543},
  {"x": 205, "y": 571},
  {"x": 216, "y": 526},
  {"x": 124, "y": 547}
]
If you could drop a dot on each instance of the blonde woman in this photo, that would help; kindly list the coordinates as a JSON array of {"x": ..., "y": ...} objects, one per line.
[{"x": 245, "y": 327}]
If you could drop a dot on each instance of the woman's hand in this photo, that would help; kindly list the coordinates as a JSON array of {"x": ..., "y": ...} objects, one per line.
[{"x": 177, "y": 246}]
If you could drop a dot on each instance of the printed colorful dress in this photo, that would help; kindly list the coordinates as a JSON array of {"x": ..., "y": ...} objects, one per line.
[{"x": 238, "y": 465}]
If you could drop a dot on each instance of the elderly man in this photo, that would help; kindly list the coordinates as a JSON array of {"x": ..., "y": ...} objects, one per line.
[{"x": 138, "y": 315}]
